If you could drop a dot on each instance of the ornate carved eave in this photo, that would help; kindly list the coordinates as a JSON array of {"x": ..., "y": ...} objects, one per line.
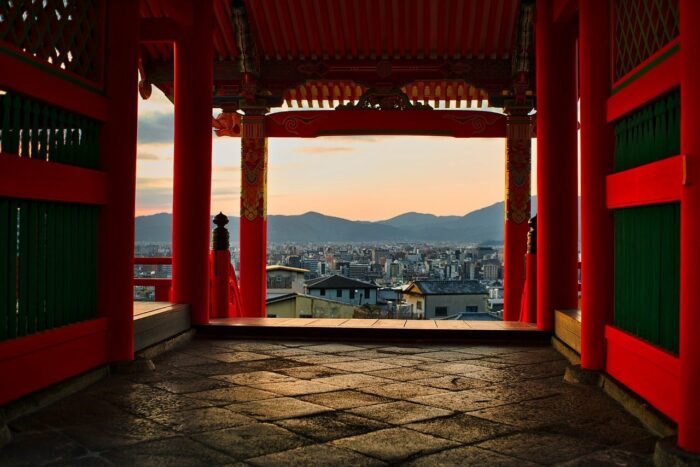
[{"x": 384, "y": 99}]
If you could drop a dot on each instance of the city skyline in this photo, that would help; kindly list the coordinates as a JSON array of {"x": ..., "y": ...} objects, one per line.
[{"x": 355, "y": 177}]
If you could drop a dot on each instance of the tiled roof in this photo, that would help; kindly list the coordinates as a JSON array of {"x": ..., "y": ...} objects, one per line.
[
  {"x": 338, "y": 282},
  {"x": 471, "y": 287}
]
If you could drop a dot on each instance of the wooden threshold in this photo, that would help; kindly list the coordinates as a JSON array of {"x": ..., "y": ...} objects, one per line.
[
  {"x": 567, "y": 328},
  {"x": 370, "y": 329},
  {"x": 157, "y": 321}
]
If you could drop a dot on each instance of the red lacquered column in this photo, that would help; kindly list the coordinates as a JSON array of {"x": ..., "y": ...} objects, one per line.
[
  {"x": 118, "y": 160},
  {"x": 689, "y": 422},
  {"x": 597, "y": 152},
  {"x": 557, "y": 193},
  {"x": 192, "y": 172},
  {"x": 253, "y": 236},
  {"x": 517, "y": 209}
]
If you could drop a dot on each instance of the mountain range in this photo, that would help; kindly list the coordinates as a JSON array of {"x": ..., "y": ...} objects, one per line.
[{"x": 484, "y": 226}]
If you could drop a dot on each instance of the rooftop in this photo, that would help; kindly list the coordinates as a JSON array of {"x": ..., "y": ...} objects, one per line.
[
  {"x": 337, "y": 281},
  {"x": 280, "y": 267},
  {"x": 439, "y": 287}
]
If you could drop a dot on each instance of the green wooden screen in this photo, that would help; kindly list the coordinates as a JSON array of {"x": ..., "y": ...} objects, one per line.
[
  {"x": 48, "y": 250},
  {"x": 647, "y": 238},
  {"x": 29, "y": 128}
]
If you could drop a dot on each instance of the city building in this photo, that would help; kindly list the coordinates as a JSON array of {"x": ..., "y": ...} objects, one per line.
[
  {"x": 440, "y": 299},
  {"x": 343, "y": 289},
  {"x": 283, "y": 280},
  {"x": 295, "y": 305}
]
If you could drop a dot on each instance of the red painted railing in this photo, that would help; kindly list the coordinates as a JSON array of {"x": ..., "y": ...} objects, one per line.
[{"x": 162, "y": 285}]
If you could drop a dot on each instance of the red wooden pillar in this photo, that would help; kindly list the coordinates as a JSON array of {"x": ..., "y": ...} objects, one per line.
[
  {"x": 118, "y": 160},
  {"x": 517, "y": 208},
  {"x": 689, "y": 422},
  {"x": 597, "y": 152},
  {"x": 192, "y": 174},
  {"x": 253, "y": 235},
  {"x": 557, "y": 193}
]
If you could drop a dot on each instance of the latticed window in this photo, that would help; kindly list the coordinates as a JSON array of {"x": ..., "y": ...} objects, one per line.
[
  {"x": 66, "y": 33},
  {"x": 642, "y": 27}
]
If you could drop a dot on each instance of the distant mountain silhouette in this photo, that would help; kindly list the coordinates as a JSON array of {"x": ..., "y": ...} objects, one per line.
[{"x": 484, "y": 225}]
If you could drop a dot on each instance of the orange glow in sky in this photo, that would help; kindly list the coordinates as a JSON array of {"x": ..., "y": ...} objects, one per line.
[{"x": 359, "y": 178}]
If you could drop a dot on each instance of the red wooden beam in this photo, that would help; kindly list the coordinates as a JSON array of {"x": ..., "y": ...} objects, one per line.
[
  {"x": 647, "y": 370},
  {"x": 153, "y": 260},
  {"x": 157, "y": 30},
  {"x": 652, "y": 78},
  {"x": 455, "y": 123},
  {"x": 21, "y": 177},
  {"x": 564, "y": 10},
  {"x": 152, "y": 282},
  {"x": 40, "y": 360},
  {"x": 43, "y": 81},
  {"x": 654, "y": 183}
]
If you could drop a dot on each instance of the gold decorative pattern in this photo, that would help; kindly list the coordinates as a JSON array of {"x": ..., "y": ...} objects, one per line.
[
  {"x": 253, "y": 168},
  {"x": 518, "y": 169}
]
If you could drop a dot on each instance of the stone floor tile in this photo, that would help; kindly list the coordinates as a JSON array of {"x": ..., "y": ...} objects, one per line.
[
  {"x": 452, "y": 382},
  {"x": 353, "y": 380},
  {"x": 251, "y": 440},
  {"x": 405, "y": 374},
  {"x": 345, "y": 399},
  {"x": 537, "y": 370},
  {"x": 462, "y": 401},
  {"x": 520, "y": 415},
  {"x": 405, "y": 350},
  {"x": 181, "y": 359},
  {"x": 215, "y": 368},
  {"x": 311, "y": 372},
  {"x": 610, "y": 458},
  {"x": 297, "y": 388},
  {"x": 394, "y": 444},
  {"x": 287, "y": 352},
  {"x": 462, "y": 428},
  {"x": 317, "y": 455},
  {"x": 231, "y": 394},
  {"x": 468, "y": 455},
  {"x": 193, "y": 383},
  {"x": 322, "y": 359},
  {"x": 361, "y": 366},
  {"x": 146, "y": 401},
  {"x": 524, "y": 358},
  {"x": 332, "y": 348},
  {"x": 114, "y": 433},
  {"x": 251, "y": 346},
  {"x": 40, "y": 448},
  {"x": 277, "y": 409},
  {"x": 255, "y": 377},
  {"x": 406, "y": 360},
  {"x": 198, "y": 420},
  {"x": 175, "y": 452},
  {"x": 234, "y": 357},
  {"x": 330, "y": 426},
  {"x": 402, "y": 390},
  {"x": 449, "y": 356},
  {"x": 542, "y": 448},
  {"x": 400, "y": 413}
]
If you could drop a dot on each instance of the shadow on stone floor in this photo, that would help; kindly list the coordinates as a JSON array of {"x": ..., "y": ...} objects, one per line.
[{"x": 223, "y": 402}]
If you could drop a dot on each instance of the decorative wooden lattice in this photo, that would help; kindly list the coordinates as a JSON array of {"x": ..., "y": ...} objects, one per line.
[
  {"x": 66, "y": 33},
  {"x": 642, "y": 27},
  {"x": 29, "y": 128},
  {"x": 647, "y": 238},
  {"x": 48, "y": 265}
]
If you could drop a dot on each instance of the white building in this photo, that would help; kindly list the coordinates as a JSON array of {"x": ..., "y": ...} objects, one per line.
[
  {"x": 439, "y": 299},
  {"x": 343, "y": 289},
  {"x": 283, "y": 280}
]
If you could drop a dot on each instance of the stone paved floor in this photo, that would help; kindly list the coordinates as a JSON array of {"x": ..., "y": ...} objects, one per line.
[{"x": 298, "y": 403}]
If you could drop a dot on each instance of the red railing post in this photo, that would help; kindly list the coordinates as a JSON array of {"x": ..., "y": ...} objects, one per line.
[{"x": 219, "y": 269}]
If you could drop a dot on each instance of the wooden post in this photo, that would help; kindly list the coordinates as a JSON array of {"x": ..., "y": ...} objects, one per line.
[
  {"x": 597, "y": 154},
  {"x": 689, "y": 422},
  {"x": 118, "y": 161},
  {"x": 253, "y": 235},
  {"x": 517, "y": 208},
  {"x": 557, "y": 193},
  {"x": 192, "y": 171}
]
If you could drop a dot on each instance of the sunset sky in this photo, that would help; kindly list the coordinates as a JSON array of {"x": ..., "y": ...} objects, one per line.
[{"x": 359, "y": 178}]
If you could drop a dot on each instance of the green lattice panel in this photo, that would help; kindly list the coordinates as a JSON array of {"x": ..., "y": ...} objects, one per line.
[
  {"x": 647, "y": 238},
  {"x": 642, "y": 27},
  {"x": 66, "y": 33},
  {"x": 36, "y": 130},
  {"x": 48, "y": 265}
]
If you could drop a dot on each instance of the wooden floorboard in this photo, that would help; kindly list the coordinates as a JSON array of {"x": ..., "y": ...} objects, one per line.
[{"x": 157, "y": 321}]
